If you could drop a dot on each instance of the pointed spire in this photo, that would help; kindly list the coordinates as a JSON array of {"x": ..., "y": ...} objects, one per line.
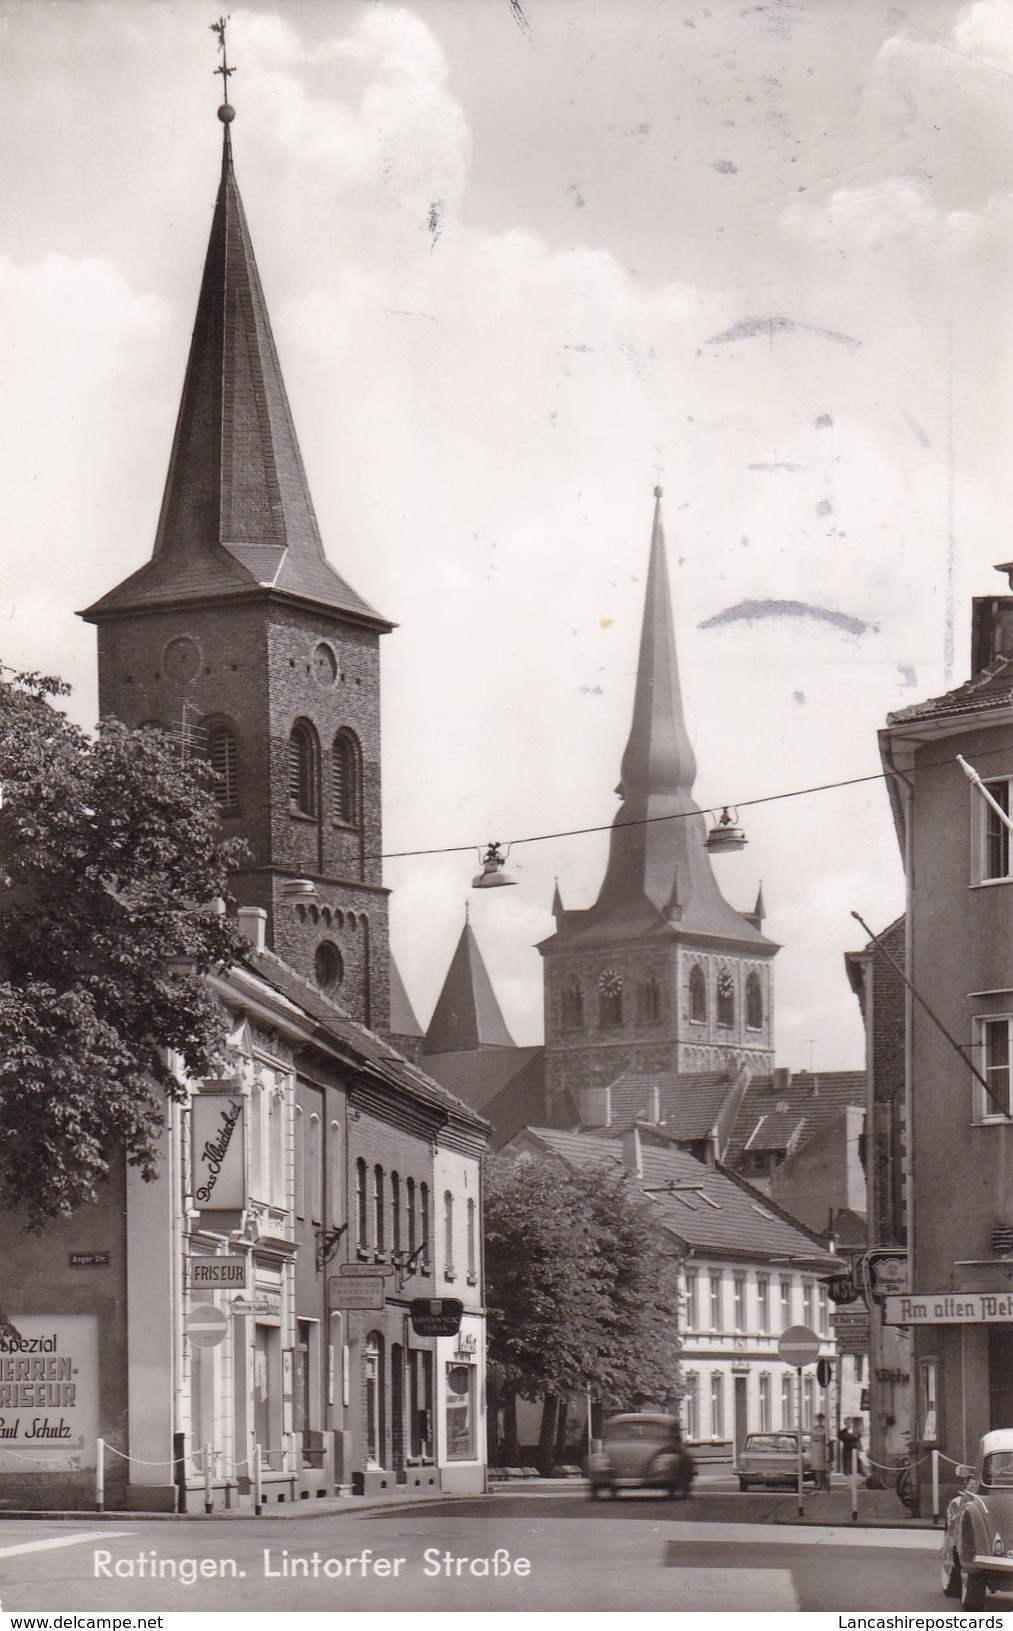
[
  {"x": 237, "y": 516},
  {"x": 658, "y": 869},
  {"x": 557, "y": 902},
  {"x": 759, "y": 912},
  {"x": 467, "y": 1014}
]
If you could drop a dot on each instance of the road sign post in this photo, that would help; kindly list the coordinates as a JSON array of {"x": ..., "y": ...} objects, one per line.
[{"x": 798, "y": 1346}]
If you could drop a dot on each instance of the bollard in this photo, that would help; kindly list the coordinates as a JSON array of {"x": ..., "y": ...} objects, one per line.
[
  {"x": 853, "y": 1476},
  {"x": 935, "y": 1486},
  {"x": 209, "y": 1503},
  {"x": 100, "y": 1474},
  {"x": 257, "y": 1493}
]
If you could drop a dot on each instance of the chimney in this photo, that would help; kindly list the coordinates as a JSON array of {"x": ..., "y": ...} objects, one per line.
[
  {"x": 253, "y": 924},
  {"x": 595, "y": 1105},
  {"x": 780, "y": 1080},
  {"x": 633, "y": 1156},
  {"x": 991, "y": 626},
  {"x": 654, "y": 1104}
]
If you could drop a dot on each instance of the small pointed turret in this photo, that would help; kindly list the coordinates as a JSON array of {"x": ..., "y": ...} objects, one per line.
[
  {"x": 558, "y": 908},
  {"x": 467, "y": 1014},
  {"x": 237, "y": 517}
]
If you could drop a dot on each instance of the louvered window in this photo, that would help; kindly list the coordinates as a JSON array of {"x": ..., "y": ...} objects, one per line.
[
  {"x": 346, "y": 798},
  {"x": 302, "y": 771},
  {"x": 222, "y": 759}
]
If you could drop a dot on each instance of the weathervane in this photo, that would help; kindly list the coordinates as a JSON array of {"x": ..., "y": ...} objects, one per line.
[{"x": 223, "y": 67}]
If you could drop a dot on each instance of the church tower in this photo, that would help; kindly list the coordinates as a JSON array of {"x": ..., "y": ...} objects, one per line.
[
  {"x": 660, "y": 974},
  {"x": 241, "y": 639}
]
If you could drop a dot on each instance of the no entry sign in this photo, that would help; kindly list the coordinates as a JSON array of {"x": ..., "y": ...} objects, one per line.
[
  {"x": 206, "y": 1325},
  {"x": 798, "y": 1345}
]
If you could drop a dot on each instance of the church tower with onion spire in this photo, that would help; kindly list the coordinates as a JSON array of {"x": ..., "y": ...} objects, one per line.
[
  {"x": 661, "y": 974},
  {"x": 240, "y": 639}
]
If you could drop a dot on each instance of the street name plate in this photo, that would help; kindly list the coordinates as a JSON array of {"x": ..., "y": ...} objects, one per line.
[
  {"x": 949, "y": 1308},
  {"x": 365, "y": 1271},
  {"x": 347, "y": 1291}
]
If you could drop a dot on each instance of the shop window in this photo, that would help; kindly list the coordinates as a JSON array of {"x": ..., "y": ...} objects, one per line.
[{"x": 460, "y": 1410}]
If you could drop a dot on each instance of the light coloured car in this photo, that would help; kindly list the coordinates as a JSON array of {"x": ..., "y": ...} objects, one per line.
[
  {"x": 641, "y": 1451},
  {"x": 772, "y": 1459},
  {"x": 978, "y": 1543}
]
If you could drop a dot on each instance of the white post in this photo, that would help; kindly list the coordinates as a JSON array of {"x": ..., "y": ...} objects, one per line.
[
  {"x": 100, "y": 1474},
  {"x": 935, "y": 1486},
  {"x": 257, "y": 1493},
  {"x": 209, "y": 1504},
  {"x": 801, "y": 1485},
  {"x": 589, "y": 1418},
  {"x": 853, "y": 1476}
]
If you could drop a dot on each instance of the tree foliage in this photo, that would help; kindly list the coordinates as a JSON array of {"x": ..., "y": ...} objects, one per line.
[
  {"x": 110, "y": 870},
  {"x": 579, "y": 1285}
]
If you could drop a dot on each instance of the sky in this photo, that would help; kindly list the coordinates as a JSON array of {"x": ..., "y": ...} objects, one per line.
[{"x": 526, "y": 259}]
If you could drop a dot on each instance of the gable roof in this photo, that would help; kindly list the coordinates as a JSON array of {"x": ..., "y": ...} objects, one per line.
[
  {"x": 237, "y": 518},
  {"x": 783, "y": 1112},
  {"x": 711, "y": 1210}
]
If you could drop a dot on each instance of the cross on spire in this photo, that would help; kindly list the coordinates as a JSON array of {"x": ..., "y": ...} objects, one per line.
[{"x": 223, "y": 67}]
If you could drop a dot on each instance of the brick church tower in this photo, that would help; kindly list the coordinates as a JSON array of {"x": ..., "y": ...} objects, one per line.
[
  {"x": 660, "y": 974},
  {"x": 239, "y": 635}
]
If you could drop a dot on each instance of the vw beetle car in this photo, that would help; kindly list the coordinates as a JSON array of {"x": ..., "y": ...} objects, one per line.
[
  {"x": 772, "y": 1458},
  {"x": 641, "y": 1452},
  {"x": 978, "y": 1543}
]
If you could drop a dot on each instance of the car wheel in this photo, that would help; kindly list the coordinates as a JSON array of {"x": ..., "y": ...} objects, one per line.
[
  {"x": 950, "y": 1571},
  {"x": 743, "y": 1485},
  {"x": 972, "y": 1591}
]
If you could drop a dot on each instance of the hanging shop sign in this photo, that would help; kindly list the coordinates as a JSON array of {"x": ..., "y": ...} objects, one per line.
[
  {"x": 851, "y": 1330},
  {"x": 887, "y": 1272},
  {"x": 48, "y": 1393},
  {"x": 344, "y": 1291},
  {"x": 217, "y": 1133},
  {"x": 436, "y": 1316},
  {"x": 949, "y": 1308}
]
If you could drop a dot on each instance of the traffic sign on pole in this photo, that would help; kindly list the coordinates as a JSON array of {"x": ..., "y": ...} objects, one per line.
[
  {"x": 798, "y": 1346},
  {"x": 206, "y": 1325}
]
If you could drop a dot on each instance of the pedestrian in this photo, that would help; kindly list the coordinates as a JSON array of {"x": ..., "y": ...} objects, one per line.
[
  {"x": 849, "y": 1442},
  {"x": 818, "y": 1453}
]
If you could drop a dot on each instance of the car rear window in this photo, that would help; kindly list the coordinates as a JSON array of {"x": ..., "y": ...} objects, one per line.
[
  {"x": 649, "y": 1431},
  {"x": 771, "y": 1441}
]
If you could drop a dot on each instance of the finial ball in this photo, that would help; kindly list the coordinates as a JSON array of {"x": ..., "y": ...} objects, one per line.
[
  {"x": 226, "y": 113},
  {"x": 658, "y": 492}
]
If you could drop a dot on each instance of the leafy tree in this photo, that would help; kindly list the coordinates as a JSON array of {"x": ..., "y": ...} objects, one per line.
[
  {"x": 110, "y": 873},
  {"x": 580, "y": 1289}
]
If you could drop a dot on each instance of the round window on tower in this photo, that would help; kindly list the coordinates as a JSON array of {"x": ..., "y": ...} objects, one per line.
[
  {"x": 328, "y": 968},
  {"x": 325, "y": 665}
]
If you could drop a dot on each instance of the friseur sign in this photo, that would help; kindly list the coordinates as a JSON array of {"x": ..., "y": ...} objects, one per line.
[{"x": 949, "y": 1308}]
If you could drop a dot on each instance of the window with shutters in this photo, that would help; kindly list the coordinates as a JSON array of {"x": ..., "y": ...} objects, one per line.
[
  {"x": 302, "y": 770},
  {"x": 346, "y": 780},
  {"x": 221, "y": 751}
]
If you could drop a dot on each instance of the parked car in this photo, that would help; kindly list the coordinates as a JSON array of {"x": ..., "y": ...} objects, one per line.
[
  {"x": 772, "y": 1458},
  {"x": 641, "y": 1452},
  {"x": 978, "y": 1542}
]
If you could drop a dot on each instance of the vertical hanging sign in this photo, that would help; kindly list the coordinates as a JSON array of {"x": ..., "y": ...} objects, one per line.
[{"x": 217, "y": 1131}]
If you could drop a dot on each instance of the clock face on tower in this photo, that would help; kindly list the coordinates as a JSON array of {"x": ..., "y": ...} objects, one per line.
[
  {"x": 181, "y": 659},
  {"x": 610, "y": 982}
]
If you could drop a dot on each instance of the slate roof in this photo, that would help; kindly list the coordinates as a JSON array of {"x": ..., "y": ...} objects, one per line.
[
  {"x": 237, "y": 518},
  {"x": 505, "y": 1085},
  {"x": 991, "y": 689},
  {"x": 467, "y": 1014},
  {"x": 365, "y": 1050},
  {"x": 715, "y": 1210},
  {"x": 402, "y": 1015},
  {"x": 814, "y": 1100},
  {"x": 688, "y": 1104}
]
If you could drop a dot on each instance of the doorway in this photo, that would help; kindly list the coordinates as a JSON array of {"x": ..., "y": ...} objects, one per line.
[{"x": 741, "y": 1413}]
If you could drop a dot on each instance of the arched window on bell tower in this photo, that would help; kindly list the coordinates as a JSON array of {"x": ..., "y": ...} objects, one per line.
[
  {"x": 346, "y": 780},
  {"x": 303, "y": 774},
  {"x": 221, "y": 752},
  {"x": 571, "y": 1003},
  {"x": 754, "y": 1003},
  {"x": 726, "y": 999},
  {"x": 697, "y": 995}
]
